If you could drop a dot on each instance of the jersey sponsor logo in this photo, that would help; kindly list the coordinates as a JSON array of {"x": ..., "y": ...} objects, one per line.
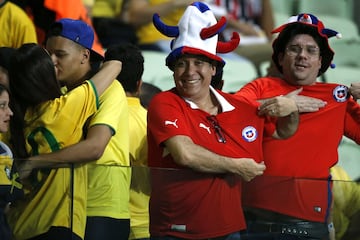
[
  {"x": 178, "y": 227},
  {"x": 202, "y": 125},
  {"x": 249, "y": 134},
  {"x": 317, "y": 209},
  {"x": 341, "y": 93},
  {"x": 167, "y": 122}
]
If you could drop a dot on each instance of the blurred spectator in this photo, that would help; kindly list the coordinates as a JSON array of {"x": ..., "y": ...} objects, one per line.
[
  {"x": 254, "y": 20},
  {"x": 5, "y": 55},
  {"x": 346, "y": 208},
  {"x": 45, "y": 12},
  {"x": 147, "y": 91},
  {"x": 16, "y": 26},
  {"x": 110, "y": 22},
  {"x": 9, "y": 191},
  {"x": 130, "y": 77},
  {"x": 140, "y": 16}
]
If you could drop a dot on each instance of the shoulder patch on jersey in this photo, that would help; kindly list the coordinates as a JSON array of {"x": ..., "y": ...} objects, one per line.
[
  {"x": 341, "y": 93},
  {"x": 249, "y": 134}
]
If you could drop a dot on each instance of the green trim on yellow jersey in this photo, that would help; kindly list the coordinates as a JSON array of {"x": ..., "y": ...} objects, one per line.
[
  {"x": 96, "y": 93},
  {"x": 50, "y": 139}
]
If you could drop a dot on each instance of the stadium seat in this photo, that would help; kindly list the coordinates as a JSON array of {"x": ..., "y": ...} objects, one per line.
[
  {"x": 155, "y": 70},
  {"x": 349, "y": 157},
  {"x": 339, "y": 8},
  {"x": 347, "y": 53},
  {"x": 237, "y": 74},
  {"x": 343, "y": 75},
  {"x": 347, "y": 49},
  {"x": 346, "y": 27},
  {"x": 287, "y": 7}
]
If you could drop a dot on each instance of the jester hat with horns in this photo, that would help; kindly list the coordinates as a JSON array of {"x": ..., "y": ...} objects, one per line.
[
  {"x": 299, "y": 24},
  {"x": 197, "y": 33}
]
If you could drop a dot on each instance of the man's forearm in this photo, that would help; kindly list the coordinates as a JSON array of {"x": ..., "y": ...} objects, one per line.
[
  {"x": 78, "y": 153},
  {"x": 287, "y": 126}
]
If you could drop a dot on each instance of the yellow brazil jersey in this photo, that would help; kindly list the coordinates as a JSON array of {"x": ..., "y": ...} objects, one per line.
[
  {"x": 346, "y": 194},
  {"x": 149, "y": 34},
  {"x": 109, "y": 177},
  {"x": 51, "y": 191},
  {"x": 16, "y": 27},
  {"x": 140, "y": 186}
]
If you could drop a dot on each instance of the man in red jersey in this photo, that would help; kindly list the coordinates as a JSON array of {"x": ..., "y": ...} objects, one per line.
[
  {"x": 202, "y": 142},
  {"x": 293, "y": 199}
]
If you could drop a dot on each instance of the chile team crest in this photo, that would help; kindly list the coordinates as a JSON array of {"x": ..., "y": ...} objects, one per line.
[
  {"x": 249, "y": 134},
  {"x": 341, "y": 93}
]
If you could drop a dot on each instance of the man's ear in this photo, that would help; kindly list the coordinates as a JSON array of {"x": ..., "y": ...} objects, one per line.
[
  {"x": 280, "y": 58},
  {"x": 214, "y": 67},
  {"x": 85, "y": 55},
  {"x": 138, "y": 87}
]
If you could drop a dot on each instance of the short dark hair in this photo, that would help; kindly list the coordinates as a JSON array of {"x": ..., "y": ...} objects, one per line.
[
  {"x": 132, "y": 64},
  {"x": 5, "y": 55},
  {"x": 217, "y": 80},
  {"x": 147, "y": 92}
]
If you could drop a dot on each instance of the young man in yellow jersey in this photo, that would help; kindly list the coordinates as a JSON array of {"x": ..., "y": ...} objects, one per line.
[{"x": 130, "y": 78}]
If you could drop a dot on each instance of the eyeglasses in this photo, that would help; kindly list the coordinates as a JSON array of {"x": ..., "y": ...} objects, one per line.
[
  {"x": 295, "y": 50},
  {"x": 215, "y": 124}
]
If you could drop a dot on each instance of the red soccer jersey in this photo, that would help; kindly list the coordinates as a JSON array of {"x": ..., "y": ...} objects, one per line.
[
  {"x": 305, "y": 158},
  {"x": 189, "y": 204}
]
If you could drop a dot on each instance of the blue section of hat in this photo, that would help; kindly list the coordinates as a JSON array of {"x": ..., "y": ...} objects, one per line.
[{"x": 77, "y": 31}]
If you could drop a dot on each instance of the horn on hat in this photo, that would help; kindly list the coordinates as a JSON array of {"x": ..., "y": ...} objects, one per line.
[
  {"x": 222, "y": 47},
  {"x": 214, "y": 29},
  {"x": 225, "y": 47},
  {"x": 170, "y": 31}
]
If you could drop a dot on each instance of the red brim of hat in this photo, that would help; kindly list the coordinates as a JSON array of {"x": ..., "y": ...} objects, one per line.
[
  {"x": 197, "y": 51},
  {"x": 282, "y": 27},
  {"x": 190, "y": 50}
]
